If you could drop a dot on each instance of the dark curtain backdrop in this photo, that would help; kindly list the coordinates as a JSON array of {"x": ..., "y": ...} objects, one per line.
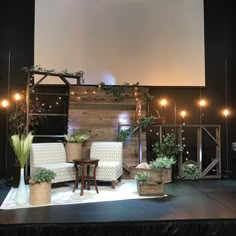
[{"x": 17, "y": 40}]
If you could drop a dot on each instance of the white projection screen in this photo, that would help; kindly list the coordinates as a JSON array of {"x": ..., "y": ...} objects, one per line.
[{"x": 153, "y": 42}]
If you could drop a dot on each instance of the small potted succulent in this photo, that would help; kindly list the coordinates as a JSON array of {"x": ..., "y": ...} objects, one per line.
[{"x": 40, "y": 186}]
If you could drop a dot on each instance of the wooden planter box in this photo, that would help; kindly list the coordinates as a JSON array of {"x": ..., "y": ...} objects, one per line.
[
  {"x": 151, "y": 189},
  {"x": 156, "y": 176}
]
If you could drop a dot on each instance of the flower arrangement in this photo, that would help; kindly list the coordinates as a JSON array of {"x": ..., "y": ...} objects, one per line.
[{"x": 77, "y": 137}]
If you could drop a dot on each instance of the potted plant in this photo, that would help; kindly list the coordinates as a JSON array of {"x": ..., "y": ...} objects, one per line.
[
  {"x": 40, "y": 186},
  {"x": 142, "y": 176},
  {"x": 146, "y": 187},
  {"x": 74, "y": 144},
  {"x": 161, "y": 169},
  {"x": 21, "y": 145},
  {"x": 166, "y": 154},
  {"x": 190, "y": 171}
]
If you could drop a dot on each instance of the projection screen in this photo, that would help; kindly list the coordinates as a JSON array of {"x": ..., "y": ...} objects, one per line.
[{"x": 153, "y": 42}]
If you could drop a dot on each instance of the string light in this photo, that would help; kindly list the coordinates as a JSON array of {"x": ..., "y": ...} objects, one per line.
[{"x": 183, "y": 114}]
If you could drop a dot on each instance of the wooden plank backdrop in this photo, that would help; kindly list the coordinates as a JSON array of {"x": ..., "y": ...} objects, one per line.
[{"x": 99, "y": 111}]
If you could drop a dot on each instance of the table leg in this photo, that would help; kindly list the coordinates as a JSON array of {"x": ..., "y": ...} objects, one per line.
[
  {"x": 82, "y": 181},
  {"x": 76, "y": 177},
  {"x": 94, "y": 178},
  {"x": 88, "y": 181}
]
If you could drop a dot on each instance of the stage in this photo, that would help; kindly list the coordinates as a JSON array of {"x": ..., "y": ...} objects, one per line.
[{"x": 205, "y": 207}]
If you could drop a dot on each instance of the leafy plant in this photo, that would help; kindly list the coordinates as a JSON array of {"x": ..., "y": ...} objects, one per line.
[
  {"x": 43, "y": 175},
  {"x": 146, "y": 120},
  {"x": 18, "y": 118},
  {"x": 142, "y": 176},
  {"x": 162, "y": 162},
  {"x": 117, "y": 91},
  {"x": 190, "y": 172},
  {"x": 124, "y": 134},
  {"x": 77, "y": 137},
  {"x": 21, "y": 145},
  {"x": 168, "y": 147}
]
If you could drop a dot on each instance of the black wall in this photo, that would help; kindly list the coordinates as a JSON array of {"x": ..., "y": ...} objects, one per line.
[
  {"x": 16, "y": 51},
  {"x": 17, "y": 38}
]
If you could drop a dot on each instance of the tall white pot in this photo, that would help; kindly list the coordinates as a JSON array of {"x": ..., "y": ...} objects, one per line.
[{"x": 21, "y": 194}]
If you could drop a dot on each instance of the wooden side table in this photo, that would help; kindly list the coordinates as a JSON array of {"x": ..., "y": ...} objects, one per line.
[{"x": 85, "y": 174}]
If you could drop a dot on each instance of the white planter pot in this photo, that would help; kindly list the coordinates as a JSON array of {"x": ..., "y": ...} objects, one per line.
[{"x": 21, "y": 194}]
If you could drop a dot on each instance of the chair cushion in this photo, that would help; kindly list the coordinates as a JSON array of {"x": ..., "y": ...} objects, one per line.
[
  {"x": 108, "y": 171},
  {"x": 64, "y": 171}
]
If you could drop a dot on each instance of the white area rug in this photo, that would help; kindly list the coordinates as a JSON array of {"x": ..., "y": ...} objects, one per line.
[{"x": 126, "y": 189}]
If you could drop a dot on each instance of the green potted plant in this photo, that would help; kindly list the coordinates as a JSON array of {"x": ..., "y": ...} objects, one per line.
[
  {"x": 40, "y": 186},
  {"x": 142, "y": 176},
  {"x": 74, "y": 144},
  {"x": 190, "y": 171},
  {"x": 166, "y": 154},
  {"x": 147, "y": 187},
  {"x": 162, "y": 162},
  {"x": 168, "y": 147}
]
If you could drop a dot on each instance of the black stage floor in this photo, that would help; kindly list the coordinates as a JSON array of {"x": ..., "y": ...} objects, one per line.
[{"x": 205, "y": 207}]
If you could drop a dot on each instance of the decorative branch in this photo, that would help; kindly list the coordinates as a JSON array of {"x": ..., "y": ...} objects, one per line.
[{"x": 65, "y": 73}]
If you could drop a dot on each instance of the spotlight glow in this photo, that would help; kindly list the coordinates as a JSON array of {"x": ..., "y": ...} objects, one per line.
[
  {"x": 202, "y": 103},
  {"x": 17, "y": 96},
  {"x": 226, "y": 112},
  {"x": 5, "y": 103},
  {"x": 183, "y": 114},
  {"x": 163, "y": 102}
]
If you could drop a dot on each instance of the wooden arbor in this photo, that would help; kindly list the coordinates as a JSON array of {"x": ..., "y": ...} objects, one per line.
[{"x": 32, "y": 84}]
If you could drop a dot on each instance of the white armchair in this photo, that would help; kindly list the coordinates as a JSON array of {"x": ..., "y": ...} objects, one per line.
[
  {"x": 52, "y": 156},
  {"x": 110, "y": 165}
]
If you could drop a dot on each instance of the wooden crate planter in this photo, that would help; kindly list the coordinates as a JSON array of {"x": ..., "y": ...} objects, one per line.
[
  {"x": 156, "y": 175},
  {"x": 151, "y": 189}
]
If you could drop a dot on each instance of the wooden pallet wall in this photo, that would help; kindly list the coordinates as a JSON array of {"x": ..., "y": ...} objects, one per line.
[{"x": 99, "y": 111}]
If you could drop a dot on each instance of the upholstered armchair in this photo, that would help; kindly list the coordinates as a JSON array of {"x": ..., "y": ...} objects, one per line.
[
  {"x": 110, "y": 165},
  {"x": 52, "y": 156}
]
